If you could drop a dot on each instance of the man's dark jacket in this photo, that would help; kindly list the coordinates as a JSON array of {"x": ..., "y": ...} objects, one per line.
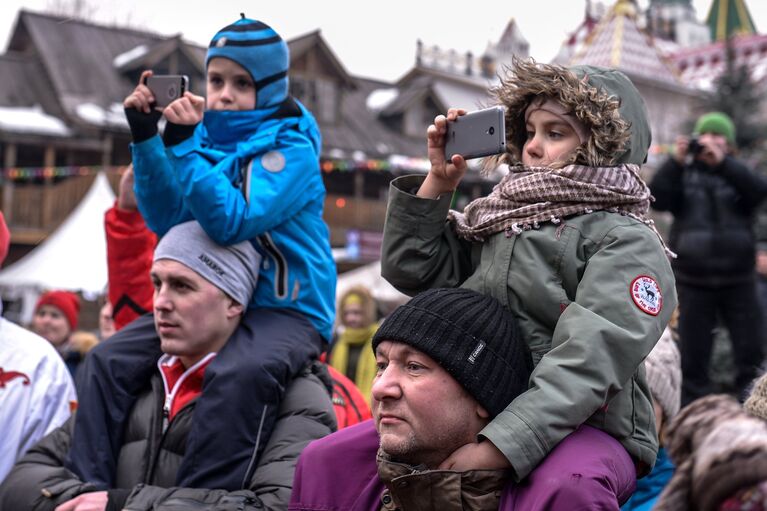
[
  {"x": 149, "y": 459},
  {"x": 712, "y": 233}
]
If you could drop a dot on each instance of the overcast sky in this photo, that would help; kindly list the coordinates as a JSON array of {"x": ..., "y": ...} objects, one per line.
[{"x": 371, "y": 38}]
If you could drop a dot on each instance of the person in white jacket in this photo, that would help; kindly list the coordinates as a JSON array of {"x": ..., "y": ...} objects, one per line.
[{"x": 36, "y": 391}]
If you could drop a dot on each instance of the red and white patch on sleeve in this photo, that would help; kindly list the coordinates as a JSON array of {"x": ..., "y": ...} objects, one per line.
[{"x": 646, "y": 294}]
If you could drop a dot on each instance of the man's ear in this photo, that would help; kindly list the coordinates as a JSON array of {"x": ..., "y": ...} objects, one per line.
[
  {"x": 234, "y": 309},
  {"x": 482, "y": 413}
]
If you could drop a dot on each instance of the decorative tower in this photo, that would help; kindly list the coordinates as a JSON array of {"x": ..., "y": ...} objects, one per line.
[
  {"x": 497, "y": 55},
  {"x": 729, "y": 17},
  {"x": 676, "y": 21}
]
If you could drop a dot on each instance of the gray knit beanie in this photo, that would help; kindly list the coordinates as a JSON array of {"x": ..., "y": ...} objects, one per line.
[
  {"x": 471, "y": 335},
  {"x": 233, "y": 269},
  {"x": 664, "y": 374}
]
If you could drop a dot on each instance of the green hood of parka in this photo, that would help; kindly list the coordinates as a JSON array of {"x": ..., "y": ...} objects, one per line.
[{"x": 603, "y": 99}]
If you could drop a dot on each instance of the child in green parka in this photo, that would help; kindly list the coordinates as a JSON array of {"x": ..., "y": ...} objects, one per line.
[{"x": 562, "y": 241}]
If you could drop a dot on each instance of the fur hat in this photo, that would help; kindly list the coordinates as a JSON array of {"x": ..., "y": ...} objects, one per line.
[
  {"x": 756, "y": 402},
  {"x": 718, "y": 123},
  {"x": 232, "y": 268},
  {"x": 66, "y": 301},
  {"x": 471, "y": 335},
  {"x": 83, "y": 342},
  {"x": 604, "y": 100},
  {"x": 664, "y": 374},
  {"x": 261, "y": 51},
  {"x": 717, "y": 449}
]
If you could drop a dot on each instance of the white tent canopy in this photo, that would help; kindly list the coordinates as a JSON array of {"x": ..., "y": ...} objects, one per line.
[
  {"x": 370, "y": 277},
  {"x": 74, "y": 257}
]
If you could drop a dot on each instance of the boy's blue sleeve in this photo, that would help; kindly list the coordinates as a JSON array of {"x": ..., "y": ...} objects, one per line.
[
  {"x": 284, "y": 177},
  {"x": 157, "y": 191}
]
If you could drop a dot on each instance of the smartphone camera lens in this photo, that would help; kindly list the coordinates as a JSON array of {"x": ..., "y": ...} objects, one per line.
[
  {"x": 491, "y": 130},
  {"x": 172, "y": 92}
]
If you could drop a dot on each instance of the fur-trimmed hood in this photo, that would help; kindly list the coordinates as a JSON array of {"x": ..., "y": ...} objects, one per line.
[{"x": 603, "y": 99}]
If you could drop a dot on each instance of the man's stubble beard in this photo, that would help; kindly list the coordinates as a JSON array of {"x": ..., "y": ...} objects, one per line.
[{"x": 411, "y": 450}]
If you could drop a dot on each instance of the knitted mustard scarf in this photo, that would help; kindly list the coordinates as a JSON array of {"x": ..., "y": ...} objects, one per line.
[
  {"x": 366, "y": 365},
  {"x": 529, "y": 196}
]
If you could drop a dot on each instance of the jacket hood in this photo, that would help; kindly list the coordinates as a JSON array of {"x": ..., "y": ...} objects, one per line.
[{"x": 603, "y": 99}]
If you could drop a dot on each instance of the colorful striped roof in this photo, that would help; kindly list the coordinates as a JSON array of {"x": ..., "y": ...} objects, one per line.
[{"x": 729, "y": 17}]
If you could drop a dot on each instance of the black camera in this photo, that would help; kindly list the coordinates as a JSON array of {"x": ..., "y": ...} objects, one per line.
[{"x": 694, "y": 147}]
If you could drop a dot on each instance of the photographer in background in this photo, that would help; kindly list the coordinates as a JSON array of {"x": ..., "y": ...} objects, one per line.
[{"x": 713, "y": 197}]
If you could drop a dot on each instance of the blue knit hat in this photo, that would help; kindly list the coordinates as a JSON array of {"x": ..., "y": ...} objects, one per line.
[{"x": 259, "y": 49}]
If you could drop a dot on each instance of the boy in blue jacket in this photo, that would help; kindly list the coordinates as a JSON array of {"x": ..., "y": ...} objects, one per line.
[{"x": 247, "y": 168}]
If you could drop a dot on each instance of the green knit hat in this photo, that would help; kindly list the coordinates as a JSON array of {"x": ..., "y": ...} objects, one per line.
[{"x": 718, "y": 123}]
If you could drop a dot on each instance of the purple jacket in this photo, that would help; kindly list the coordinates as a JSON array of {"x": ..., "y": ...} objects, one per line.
[
  {"x": 339, "y": 473},
  {"x": 587, "y": 470}
]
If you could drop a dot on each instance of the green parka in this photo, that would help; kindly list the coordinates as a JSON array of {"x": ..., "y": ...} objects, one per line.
[{"x": 569, "y": 284}]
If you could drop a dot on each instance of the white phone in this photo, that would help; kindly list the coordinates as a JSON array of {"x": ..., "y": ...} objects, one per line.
[{"x": 476, "y": 134}]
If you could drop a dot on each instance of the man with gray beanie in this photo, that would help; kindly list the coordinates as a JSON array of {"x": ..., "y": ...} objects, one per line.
[
  {"x": 201, "y": 294},
  {"x": 449, "y": 361}
]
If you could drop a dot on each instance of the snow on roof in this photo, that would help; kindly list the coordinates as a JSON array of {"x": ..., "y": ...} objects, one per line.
[
  {"x": 97, "y": 115},
  {"x": 130, "y": 55},
  {"x": 380, "y": 98},
  {"x": 31, "y": 120}
]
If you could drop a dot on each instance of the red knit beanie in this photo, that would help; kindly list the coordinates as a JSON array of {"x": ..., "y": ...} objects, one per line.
[
  {"x": 5, "y": 238},
  {"x": 66, "y": 301}
]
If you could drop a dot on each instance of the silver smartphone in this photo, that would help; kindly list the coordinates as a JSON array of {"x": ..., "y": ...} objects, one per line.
[
  {"x": 476, "y": 134},
  {"x": 167, "y": 88}
]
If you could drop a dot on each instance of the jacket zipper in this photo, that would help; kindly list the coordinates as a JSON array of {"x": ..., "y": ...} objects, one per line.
[
  {"x": 281, "y": 270},
  {"x": 166, "y": 413}
]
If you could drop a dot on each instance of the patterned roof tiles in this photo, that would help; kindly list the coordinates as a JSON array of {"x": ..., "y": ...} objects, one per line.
[{"x": 618, "y": 42}]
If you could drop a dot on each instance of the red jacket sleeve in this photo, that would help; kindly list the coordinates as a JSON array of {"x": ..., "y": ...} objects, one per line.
[
  {"x": 130, "y": 247},
  {"x": 348, "y": 403}
]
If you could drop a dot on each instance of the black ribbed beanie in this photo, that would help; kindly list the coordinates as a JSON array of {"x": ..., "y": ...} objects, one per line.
[{"x": 471, "y": 335}]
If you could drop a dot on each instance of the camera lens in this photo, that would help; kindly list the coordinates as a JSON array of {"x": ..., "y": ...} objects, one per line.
[
  {"x": 171, "y": 92},
  {"x": 491, "y": 130}
]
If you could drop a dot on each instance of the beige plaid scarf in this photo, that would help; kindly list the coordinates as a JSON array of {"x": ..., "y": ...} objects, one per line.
[{"x": 529, "y": 196}]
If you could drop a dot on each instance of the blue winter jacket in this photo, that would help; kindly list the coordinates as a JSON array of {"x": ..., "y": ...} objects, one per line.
[
  {"x": 250, "y": 175},
  {"x": 651, "y": 486}
]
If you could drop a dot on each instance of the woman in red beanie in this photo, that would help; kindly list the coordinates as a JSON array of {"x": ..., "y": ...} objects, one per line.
[{"x": 55, "y": 319}]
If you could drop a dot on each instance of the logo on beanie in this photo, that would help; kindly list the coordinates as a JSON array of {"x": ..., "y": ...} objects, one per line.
[
  {"x": 646, "y": 294},
  {"x": 221, "y": 42},
  {"x": 210, "y": 263},
  {"x": 476, "y": 352}
]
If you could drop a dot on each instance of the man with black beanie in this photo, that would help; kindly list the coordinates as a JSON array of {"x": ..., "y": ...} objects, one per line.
[{"x": 449, "y": 361}]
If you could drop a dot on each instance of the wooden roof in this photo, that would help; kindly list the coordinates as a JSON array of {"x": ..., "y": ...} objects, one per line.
[{"x": 62, "y": 64}]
